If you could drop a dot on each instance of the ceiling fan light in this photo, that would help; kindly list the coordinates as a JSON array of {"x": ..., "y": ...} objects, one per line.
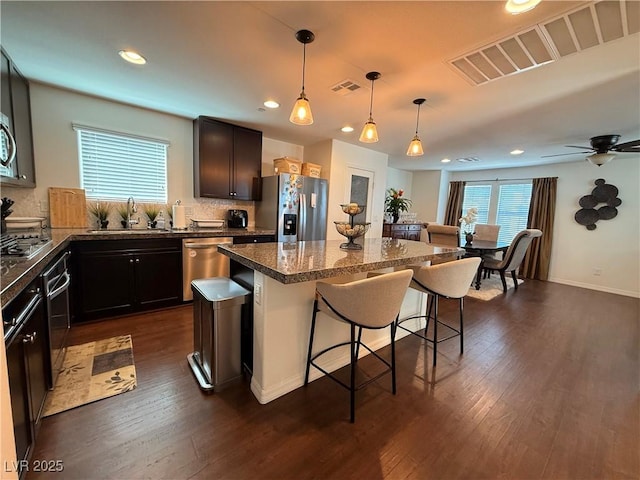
[
  {"x": 415, "y": 148},
  {"x": 515, "y": 7},
  {"x": 369, "y": 132},
  {"x": 600, "y": 159},
  {"x": 301, "y": 112}
]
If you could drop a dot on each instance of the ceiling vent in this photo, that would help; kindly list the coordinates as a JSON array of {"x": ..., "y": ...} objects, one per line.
[
  {"x": 468, "y": 159},
  {"x": 345, "y": 87},
  {"x": 590, "y": 25}
]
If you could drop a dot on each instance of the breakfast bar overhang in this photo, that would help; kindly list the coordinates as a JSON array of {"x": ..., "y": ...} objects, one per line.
[{"x": 284, "y": 280}]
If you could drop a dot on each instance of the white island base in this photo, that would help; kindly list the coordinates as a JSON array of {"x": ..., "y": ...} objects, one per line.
[{"x": 282, "y": 321}]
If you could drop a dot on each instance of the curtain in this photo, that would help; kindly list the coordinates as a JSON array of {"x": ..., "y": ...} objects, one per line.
[
  {"x": 541, "y": 213},
  {"x": 454, "y": 203}
]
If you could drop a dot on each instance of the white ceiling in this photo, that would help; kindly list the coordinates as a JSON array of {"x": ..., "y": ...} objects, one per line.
[{"x": 223, "y": 59}]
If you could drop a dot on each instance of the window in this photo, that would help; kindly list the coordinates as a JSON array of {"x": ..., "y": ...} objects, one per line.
[
  {"x": 507, "y": 205},
  {"x": 115, "y": 166}
]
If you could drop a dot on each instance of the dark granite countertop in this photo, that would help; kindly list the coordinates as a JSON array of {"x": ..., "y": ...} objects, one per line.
[
  {"x": 306, "y": 261},
  {"x": 16, "y": 273}
]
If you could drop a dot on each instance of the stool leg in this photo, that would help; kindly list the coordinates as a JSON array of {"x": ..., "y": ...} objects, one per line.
[
  {"x": 435, "y": 329},
  {"x": 352, "y": 389},
  {"x": 313, "y": 327},
  {"x": 393, "y": 356},
  {"x": 461, "y": 325},
  {"x": 515, "y": 279},
  {"x": 429, "y": 307},
  {"x": 357, "y": 346}
]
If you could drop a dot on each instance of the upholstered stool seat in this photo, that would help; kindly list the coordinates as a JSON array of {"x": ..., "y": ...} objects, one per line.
[
  {"x": 372, "y": 303},
  {"x": 448, "y": 280}
]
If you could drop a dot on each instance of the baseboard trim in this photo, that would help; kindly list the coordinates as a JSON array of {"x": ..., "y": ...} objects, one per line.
[{"x": 600, "y": 288}]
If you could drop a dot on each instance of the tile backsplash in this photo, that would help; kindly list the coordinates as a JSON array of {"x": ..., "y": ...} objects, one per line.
[{"x": 28, "y": 205}]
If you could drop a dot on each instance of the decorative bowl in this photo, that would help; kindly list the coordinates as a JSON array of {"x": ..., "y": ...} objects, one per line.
[
  {"x": 352, "y": 208},
  {"x": 351, "y": 232}
]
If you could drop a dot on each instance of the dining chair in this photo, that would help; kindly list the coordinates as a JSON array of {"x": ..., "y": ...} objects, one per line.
[
  {"x": 514, "y": 256},
  {"x": 447, "y": 280},
  {"x": 485, "y": 231},
  {"x": 372, "y": 303},
  {"x": 445, "y": 235}
]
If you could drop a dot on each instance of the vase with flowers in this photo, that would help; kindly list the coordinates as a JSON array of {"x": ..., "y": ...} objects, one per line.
[
  {"x": 394, "y": 203},
  {"x": 467, "y": 222}
]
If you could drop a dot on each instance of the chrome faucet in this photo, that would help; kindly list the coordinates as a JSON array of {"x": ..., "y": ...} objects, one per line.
[{"x": 131, "y": 208}]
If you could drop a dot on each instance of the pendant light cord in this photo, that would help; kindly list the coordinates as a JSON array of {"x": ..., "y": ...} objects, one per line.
[
  {"x": 371, "y": 101},
  {"x": 418, "y": 119},
  {"x": 304, "y": 61}
]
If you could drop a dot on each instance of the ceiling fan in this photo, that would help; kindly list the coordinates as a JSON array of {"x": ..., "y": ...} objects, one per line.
[{"x": 601, "y": 146}]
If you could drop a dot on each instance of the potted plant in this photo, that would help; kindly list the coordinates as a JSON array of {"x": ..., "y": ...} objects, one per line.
[
  {"x": 101, "y": 211},
  {"x": 169, "y": 209},
  {"x": 151, "y": 210},
  {"x": 123, "y": 211},
  {"x": 394, "y": 203},
  {"x": 467, "y": 222}
]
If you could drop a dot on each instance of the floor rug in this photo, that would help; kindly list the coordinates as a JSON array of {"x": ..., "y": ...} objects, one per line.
[
  {"x": 491, "y": 287},
  {"x": 93, "y": 371}
]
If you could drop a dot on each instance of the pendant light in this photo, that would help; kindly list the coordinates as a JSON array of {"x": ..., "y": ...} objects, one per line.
[
  {"x": 415, "y": 147},
  {"x": 369, "y": 132},
  {"x": 301, "y": 113}
]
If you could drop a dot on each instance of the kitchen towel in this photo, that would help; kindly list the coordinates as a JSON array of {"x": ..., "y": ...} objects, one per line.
[{"x": 179, "y": 217}]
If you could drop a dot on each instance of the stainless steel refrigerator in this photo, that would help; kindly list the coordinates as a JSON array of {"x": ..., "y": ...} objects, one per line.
[{"x": 295, "y": 206}]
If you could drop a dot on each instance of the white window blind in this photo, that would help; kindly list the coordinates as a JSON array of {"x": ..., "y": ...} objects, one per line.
[
  {"x": 115, "y": 166},
  {"x": 513, "y": 209},
  {"x": 478, "y": 196}
]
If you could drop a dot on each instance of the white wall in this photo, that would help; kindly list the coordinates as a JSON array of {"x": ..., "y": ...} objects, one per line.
[
  {"x": 401, "y": 180},
  {"x": 613, "y": 247},
  {"x": 56, "y": 149}
]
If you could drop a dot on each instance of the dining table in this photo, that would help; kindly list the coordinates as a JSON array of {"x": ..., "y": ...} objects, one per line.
[{"x": 480, "y": 248}]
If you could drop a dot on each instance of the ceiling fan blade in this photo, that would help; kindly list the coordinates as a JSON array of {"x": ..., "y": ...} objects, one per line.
[
  {"x": 561, "y": 154},
  {"x": 579, "y": 146},
  {"x": 632, "y": 147}
]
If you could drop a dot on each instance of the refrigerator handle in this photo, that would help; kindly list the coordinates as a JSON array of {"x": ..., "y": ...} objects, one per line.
[{"x": 302, "y": 217}]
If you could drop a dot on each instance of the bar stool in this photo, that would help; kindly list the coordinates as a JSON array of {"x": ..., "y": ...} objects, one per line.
[
  {"x": 448, "y": 280},
  {"x": 372, "y": 303}
]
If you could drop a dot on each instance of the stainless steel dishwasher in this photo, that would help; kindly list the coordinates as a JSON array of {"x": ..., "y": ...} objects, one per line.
[{"x": 200, "y": 259}]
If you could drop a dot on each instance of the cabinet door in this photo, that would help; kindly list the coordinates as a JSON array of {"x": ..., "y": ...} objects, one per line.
[
  {"x": 247, "y": 166},
  {"x": 10, "y": 172},
  {"x": 22, "y": 129},
  {"x": 213, "y": 154},
  {"x": 19, "y": 389},
  {"x": 105, "y": 283},
  {"x": 34, "y": 337},
  {"x": 158, "y": 278}
]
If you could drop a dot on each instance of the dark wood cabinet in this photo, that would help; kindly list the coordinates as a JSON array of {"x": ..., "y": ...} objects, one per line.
[
  {"x": 254, "y": 239},
  {"x": 16, "y": 110},
  {"x": 227, "y": 160},
  {"x": 404, "y": 231},
  {"x": 124, "y": 276},
  {"x": 27, "y": 364}
]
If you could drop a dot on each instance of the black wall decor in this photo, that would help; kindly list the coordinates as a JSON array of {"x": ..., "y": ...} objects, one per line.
[{"x": 605, "y": 193}]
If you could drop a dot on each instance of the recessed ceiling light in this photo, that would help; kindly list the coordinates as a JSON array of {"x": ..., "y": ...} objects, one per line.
[
  {"x": 520, "y": 6},
  {"x": 517, "y": 151},
  {"x": 445, "y": 160},
  {"x": 347, "y": 129},
  {"x": 271, "y": 104},
  {"x": 132, "y": 57}
]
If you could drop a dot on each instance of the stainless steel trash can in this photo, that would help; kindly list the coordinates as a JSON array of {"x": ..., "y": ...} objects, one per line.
[{"x": 217, "y": 311}]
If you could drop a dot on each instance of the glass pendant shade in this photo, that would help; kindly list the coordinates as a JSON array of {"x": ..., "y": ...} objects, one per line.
[
  {"x": 369, "y": 132},
  {"x": 415, "y": 147},
  {"x": 301, "y": 113}
]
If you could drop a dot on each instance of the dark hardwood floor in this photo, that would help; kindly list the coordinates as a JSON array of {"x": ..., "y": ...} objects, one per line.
[{"x": 548, "y": 387}]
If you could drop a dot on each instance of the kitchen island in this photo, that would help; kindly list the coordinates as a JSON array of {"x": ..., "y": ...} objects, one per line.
[{"x": 284, "y": 278}]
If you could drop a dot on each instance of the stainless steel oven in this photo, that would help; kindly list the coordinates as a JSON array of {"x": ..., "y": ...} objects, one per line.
[{"x": 56, "y": 281}]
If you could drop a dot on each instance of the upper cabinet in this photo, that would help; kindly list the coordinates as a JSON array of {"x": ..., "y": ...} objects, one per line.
[
  {"x": 17, "y": 139},
  {"x": 227, "y": 160}
]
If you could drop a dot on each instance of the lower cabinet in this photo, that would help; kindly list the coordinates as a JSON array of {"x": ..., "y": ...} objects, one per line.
[
  {"x": 27, "y": 364},
  {"x": 126, "y": 276},
  {"x": 405, "y": 231}
]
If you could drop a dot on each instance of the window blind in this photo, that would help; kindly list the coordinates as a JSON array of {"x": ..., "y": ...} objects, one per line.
[
  {"x": 478, "y": 196},
  {"x": 116, "y": 166},
  {"x": 513, "y": 209}
]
